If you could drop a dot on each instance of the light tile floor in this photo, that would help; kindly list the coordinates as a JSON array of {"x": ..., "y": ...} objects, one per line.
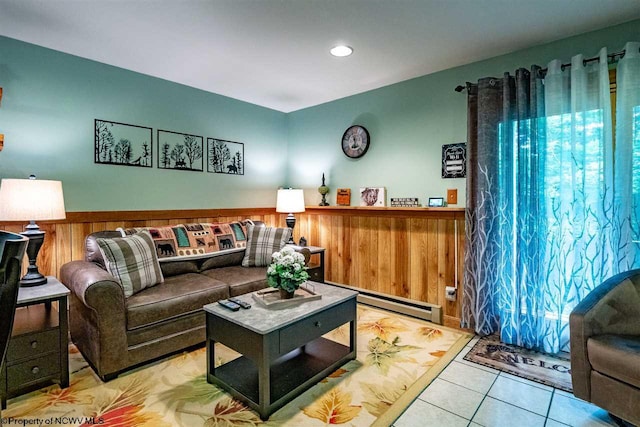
[{"x": 467, "y": 394}]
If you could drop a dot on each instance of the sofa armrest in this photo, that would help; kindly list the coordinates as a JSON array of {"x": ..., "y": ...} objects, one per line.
[
  {"x": 93, "y": 285},
  {"x": 611, "y": 308},
  {"x": 306, "y": 253},
  {"x": 97, "y": 318}
]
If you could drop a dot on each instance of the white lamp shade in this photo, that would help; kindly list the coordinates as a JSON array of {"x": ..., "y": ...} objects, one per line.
[
  {"x": 290, "y": 200},
  {"x": 31, "y": 199}
]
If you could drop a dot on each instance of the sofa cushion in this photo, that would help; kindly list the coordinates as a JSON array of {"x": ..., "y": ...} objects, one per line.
[
  {"x": 173, "y": 268},
  {"x": 617, "y": 356},
  {"x": 195, "y": 241},
  {"x": 222, "y": 261},
  {"x": 132, "y": 260},
  {"x": 262, "y": 242},
  {"x": 241, "y": 280},
  {"x": 178, "y": 295}
]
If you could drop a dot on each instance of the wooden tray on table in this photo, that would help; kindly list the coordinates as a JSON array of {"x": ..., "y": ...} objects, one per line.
[{"x": 270, "y": 298}]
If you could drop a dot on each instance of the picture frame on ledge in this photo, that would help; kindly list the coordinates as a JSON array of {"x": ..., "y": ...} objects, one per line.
[
  {"x": 436, "y": 202},
  {"x": 343, "y": 197},
  {"x": 405, "y": 202},
  {"x": 373, "y": 196}
]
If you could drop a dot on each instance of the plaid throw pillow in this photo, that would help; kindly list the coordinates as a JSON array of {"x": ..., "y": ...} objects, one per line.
[
  {"x": 261, "y": 243},
  {"x": 132, "y": 260}
]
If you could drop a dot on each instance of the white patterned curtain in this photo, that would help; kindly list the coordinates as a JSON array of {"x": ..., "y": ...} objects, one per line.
[
  {"x": 627, "y": 158},
  {"x": 578, "y": 183}
]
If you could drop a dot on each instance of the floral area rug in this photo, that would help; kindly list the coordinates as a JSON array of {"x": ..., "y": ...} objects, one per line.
[
  {"x": 397, "y": 358},
  {"x": 549, "y": 369}
]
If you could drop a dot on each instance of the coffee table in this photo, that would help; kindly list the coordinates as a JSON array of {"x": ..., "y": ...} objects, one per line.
[{"x": 283, "y": 352}]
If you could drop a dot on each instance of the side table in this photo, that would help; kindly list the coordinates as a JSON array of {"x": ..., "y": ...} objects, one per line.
[
  {"x": 316, "y": 269},
  {"x": 38, "y": 350}
]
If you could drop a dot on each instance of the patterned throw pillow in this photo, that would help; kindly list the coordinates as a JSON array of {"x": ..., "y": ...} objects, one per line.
[
  {"x": 262, "y": 242},
  {"x": 132, "y": 260}
]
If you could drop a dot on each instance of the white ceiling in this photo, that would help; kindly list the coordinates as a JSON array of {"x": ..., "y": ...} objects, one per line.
[{"x": 275, "y": 53}]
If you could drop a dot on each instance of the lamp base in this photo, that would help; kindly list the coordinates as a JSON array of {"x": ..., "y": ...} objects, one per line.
[
  {"x": 291, "y": 223},
  {"x": 33, "y": 280},
  {"x": 36, "y": 238}
]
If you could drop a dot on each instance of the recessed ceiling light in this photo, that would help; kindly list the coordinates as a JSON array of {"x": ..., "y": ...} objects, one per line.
[{"x": 341, "y": 50}]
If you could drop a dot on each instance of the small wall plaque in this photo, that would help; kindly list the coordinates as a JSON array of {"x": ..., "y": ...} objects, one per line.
[{"x": 454, "y": 160}]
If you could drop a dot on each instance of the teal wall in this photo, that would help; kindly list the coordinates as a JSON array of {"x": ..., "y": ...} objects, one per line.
[
  {"x": 51, "y": 100},
  {"x": 409, "y": 122}
]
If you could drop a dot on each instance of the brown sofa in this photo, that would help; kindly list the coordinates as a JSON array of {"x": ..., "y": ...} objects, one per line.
[
  {"x": 115, "y": 333},
  {"x": 605, "y": 346}
]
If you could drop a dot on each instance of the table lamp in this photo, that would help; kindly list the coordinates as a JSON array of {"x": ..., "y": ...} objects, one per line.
[
  {"x": 290, "y": 200},
  {"x": 31, "y": 200}
]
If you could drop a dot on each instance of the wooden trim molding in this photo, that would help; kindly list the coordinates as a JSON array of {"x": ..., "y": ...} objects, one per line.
[
  {"x": 148, "y": 215},
  {"x": 163, "y": 214},
  {"x": 387, "y": 211}
]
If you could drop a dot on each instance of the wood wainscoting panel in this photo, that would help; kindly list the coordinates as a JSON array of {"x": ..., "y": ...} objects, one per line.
[
  {"x": 63, "y": 245},
  {"x": 371, "y": 276},
  {"x": 405, "y": 252},
  {"x": 384, "y": 256},
  {"x": 64, "y": 239},
  {"x": 400, "y": 256}
]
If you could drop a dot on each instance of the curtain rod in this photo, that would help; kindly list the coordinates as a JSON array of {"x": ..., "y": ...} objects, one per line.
[{"x": 612, "y": 58}]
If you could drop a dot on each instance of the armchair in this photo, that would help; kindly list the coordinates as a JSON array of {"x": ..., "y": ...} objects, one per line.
[
  {"x": 605, "y": 346},
  {"x": 12, "y": 248}
]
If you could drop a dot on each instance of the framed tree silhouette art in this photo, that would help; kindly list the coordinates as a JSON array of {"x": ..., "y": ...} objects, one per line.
[
  {"x": 122, "y": 144},
  {"x": 180, "y": 151},
  {"x": 225, "y": 156}
]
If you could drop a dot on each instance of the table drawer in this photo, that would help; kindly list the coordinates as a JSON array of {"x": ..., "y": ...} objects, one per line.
[
  {"x": 32, "y": 370},
  {"x": 316, "y": 274},
  {"x": 310, "y": 328},
  {"x": 33, "y": 345}
]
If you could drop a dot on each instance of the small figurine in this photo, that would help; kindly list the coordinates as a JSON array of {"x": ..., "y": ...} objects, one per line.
[
  {"x": 303, "y": 241},
  {"x": 324, "y": 190}
]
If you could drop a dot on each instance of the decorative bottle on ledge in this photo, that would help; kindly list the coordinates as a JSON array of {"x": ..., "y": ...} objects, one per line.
[{"x": 324, "y": 190}]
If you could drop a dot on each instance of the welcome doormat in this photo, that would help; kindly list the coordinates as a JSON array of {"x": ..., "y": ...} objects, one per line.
[
  {"x": 398, "y": 357},
  {"x": 551, "y": 370}
]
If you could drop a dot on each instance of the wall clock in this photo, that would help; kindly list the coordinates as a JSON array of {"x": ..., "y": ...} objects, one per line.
[{"x": 355, "y": 141}]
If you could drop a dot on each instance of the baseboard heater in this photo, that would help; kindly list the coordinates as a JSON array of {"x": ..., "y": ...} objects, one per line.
[{"x": 419, "y": 309}]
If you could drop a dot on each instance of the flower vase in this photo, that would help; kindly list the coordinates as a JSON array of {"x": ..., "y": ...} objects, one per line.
[{"x": 284, "y": 294}]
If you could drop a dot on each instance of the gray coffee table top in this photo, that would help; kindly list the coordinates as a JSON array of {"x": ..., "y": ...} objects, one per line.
[{"x": 263, "y": 320}]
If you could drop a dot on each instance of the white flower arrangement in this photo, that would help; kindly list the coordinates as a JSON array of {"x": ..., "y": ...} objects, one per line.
[{"x": 287, "y": 270}]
